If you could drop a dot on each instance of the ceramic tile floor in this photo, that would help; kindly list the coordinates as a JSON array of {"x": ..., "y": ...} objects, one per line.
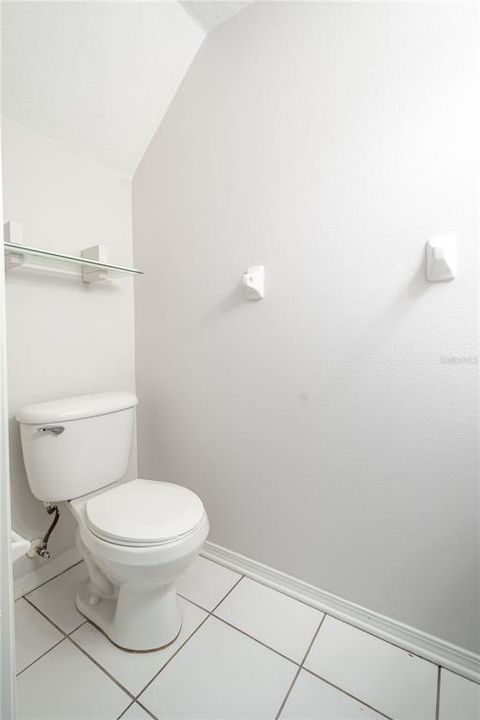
[{"x": 245, "y": 651}]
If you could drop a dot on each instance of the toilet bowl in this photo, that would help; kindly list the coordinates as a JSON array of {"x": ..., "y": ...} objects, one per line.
[{"x": 136, "y": 537}]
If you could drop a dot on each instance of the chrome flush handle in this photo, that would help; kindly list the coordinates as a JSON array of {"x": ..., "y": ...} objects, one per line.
[{"x": 55, "y": 429}]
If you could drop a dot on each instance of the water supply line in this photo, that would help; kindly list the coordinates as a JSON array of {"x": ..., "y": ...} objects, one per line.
[{"x": 42, "y": 548}]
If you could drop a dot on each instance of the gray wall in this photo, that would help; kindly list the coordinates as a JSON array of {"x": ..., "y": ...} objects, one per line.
[
  {"x": 63, "y": 337},
  {"x": 320, "y": 426}
]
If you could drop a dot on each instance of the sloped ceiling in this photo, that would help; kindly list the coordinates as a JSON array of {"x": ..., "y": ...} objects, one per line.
[
  {"x": 99, "y": 76},
  {"x": 211, "y": 14}
]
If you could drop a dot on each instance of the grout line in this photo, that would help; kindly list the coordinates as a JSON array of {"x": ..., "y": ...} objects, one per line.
[
  {"x": 298, "y": 671},
  {"x": 40, "y": 612},
  {"x": 299, "y": 668},
  {"x": 345, "y": 692},
  {"x": 192, "y": 602},
  {"x": 77, "y": 628},
  {"x": 202, "y": 607},
  {"x": 313, "y": 639},
  {"x": 227, "y": 594},
  {"x": 50, "y": 579},
  {"x": 57, "y": 627},
  {"x": 252, "y": 637},
  {"x": 84, "y": 652},
  {"x": 437, "y": 703},
  {"x": 149, "y": 712},
  {"x": 127, "y": 708},
  {"x": 187, "y": 639},
  {"x": 41, "y": 656}
]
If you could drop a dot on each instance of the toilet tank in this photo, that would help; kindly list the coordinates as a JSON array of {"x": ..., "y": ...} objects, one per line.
[{"x": 76, "y": 445}]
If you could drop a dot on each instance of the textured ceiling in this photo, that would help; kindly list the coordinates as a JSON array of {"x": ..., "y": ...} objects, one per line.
[{"x": 99, "y": 76}]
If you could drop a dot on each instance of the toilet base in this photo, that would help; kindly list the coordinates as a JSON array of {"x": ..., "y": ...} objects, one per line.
[{"x": 136, "y": 620}]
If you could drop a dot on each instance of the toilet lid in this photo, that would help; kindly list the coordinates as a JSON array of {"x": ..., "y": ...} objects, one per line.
[{"x": 144, "y": 512}]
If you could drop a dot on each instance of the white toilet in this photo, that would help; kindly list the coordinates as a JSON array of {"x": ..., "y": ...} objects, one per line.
[{"x": 136, "y": 537}]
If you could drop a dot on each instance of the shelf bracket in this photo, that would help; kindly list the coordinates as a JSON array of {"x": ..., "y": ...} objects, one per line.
[
  {"x": 98, "y": 253},
  {"x": 13, "y": 233}
]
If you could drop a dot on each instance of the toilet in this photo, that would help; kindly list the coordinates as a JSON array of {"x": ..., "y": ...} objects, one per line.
[{"x": 136, "y": 537}]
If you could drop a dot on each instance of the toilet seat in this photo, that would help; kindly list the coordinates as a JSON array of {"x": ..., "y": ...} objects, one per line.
[{"x": 143, "y": 513}]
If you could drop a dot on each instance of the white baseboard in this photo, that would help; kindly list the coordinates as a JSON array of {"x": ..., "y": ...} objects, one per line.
[
  {"x": 28, "y": 582},
  {"x": 459, "y": 660}
]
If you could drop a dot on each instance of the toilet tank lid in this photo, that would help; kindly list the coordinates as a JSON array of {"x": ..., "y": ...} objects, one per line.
[{"x": 75, "y": 408}]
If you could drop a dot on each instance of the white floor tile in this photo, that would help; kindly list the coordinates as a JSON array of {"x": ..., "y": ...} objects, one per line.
[
  {"x": 459, "y": 698},
  {"x": 206, "y": 582},
  {"x": 33, "y": 634},
  {"x": 135, "y": 712},
  {"x": 277, "y": 620},
  {"x": 134, "y": 670},
  {"x": 391, "y": 680},
  {"x": 65, "y": 685},
  {"x": 313, "y": 699},
  {"x": 57, "y": 598},
  {"x": 220, "y": 673}
]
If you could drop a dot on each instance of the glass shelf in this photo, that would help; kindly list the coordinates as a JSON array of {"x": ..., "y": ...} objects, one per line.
[{"x": 17, "y": 250}]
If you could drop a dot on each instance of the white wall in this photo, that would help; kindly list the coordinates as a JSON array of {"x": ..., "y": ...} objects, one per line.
[
  {"x": 63, "y": 337},
  {"x": 320, "y": 426}
]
